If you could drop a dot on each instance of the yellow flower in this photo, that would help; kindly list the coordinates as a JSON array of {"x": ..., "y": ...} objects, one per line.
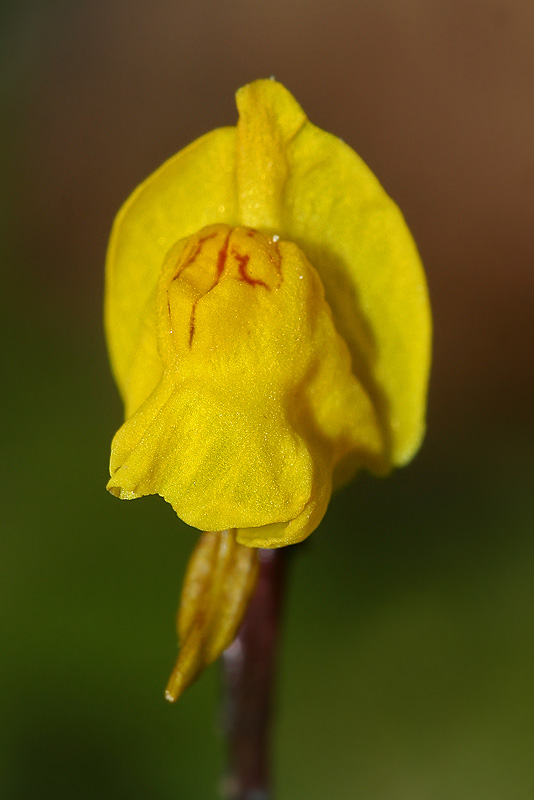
[{"x": 269, "y": 330}]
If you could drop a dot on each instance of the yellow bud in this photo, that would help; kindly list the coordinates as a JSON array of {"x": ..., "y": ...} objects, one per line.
[{"x": 219, "y": 581}]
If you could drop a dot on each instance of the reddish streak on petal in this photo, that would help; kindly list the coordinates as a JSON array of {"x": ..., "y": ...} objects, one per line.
[
  {"x": 195, "y": 252},
  {"x": 221, "y": 261},
  {"x": 243, "y": 260}
]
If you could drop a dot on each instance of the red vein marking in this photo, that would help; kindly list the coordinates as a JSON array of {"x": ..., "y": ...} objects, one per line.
[
  {"x": 196, "y": 252},
  {"x": 221, "y": 261},
  {"x": 243, "y": 275},
  {"x": 221, "y": 258},
  {"x": 278, "y": 261}
]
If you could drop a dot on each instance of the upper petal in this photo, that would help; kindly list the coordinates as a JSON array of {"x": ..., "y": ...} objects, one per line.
[{"x": 333, "y": 207}]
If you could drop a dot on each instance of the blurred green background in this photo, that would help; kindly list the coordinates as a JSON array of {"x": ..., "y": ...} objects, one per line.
[{"x": 407, "y": 670}]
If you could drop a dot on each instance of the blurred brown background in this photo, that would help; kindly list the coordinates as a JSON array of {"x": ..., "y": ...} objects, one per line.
[{"x": 409, "y": 656}]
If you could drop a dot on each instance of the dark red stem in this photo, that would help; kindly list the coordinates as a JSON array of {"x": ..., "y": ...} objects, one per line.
[{"x": 249, "y": 677}]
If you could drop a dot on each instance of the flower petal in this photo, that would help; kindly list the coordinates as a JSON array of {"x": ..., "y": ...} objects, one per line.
[
  {"x": 257, "y": 403},
  {"x": 192, "y": 189},
  {"x": 331, "y": 205}
]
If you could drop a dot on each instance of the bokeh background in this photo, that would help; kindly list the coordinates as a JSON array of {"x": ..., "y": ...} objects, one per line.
[{"x": 407, "y": 670}]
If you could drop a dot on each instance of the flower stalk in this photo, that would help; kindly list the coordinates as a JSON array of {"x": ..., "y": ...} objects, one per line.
[{"x": 249, "y": 669}]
